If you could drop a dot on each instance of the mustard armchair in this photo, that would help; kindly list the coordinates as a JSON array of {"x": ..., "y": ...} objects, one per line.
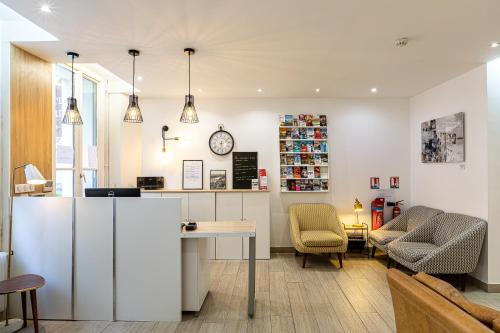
[{"x": 316, "y": 229}]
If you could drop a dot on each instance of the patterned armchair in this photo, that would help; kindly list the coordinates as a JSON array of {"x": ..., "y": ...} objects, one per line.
[
  {"x": 407, "y": 221},
  {"x": 315, "y": 228},
  {"x": 447, "y": 244}
]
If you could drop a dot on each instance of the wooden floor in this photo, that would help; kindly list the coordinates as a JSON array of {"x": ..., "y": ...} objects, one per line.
[{"x": 320, "y": 298}]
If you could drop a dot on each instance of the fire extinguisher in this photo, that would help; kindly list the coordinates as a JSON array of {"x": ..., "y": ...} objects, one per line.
[
  {"x": 378, "y": 213},
  {"x": 397, "y": 210}
]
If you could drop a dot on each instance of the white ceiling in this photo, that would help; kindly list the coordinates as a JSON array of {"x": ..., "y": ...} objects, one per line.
[{"x": 286, "y": 47}]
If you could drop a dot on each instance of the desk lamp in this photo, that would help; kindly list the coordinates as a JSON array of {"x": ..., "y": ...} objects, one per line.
[
  {"x": 33, "y": 177},
  {"x": 358, "y": 207}
]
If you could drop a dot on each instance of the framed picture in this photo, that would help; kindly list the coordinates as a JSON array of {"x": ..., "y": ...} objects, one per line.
[
  {"x": 394, "y": 182},
  {"x": 375, "y": 183},
  {"x": 443, "y": 139},
  {"x": 192, "y": 175},
  {"x": 218, "y": 180}
]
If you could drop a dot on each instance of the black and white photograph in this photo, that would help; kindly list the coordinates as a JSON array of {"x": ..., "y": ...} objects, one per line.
[
  {"x": 218, "y": 180},
  {"x": 443, "y": 140}
]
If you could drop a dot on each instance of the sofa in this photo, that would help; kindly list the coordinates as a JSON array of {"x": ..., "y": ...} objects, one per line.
[
  {"x": 316, "y": 229},
  {"x": 448, "y": 243},
  {"x": 399, "y": 226},
  {"x": 425, "y": 304}
]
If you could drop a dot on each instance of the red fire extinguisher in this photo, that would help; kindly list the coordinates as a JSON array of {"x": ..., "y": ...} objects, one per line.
[
  {"x": 378, "y": 213},
  {"x": 397, "y": 210}
]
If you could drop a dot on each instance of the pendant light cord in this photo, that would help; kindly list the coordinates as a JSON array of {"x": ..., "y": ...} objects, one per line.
[
  {"x": 133, "y": 78},
  {"x": 189, "y": 70},
  {"x": 72, "y": 77}
]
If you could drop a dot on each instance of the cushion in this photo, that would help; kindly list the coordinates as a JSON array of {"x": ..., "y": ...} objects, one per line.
[
  {"x": 411, "y": 251},
  {"x": 383, "y": 237},
  {"x": 323, "y": 238}
]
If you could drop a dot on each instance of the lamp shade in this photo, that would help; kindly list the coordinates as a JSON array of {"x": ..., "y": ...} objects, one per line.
[
  {"x": 358, "y": 207},
  {"x": 72, "y": 115},
  {"x": 189, "y": 112},
  {"x": 33, "y": 175},
  {"x": 133, "y": 114}
]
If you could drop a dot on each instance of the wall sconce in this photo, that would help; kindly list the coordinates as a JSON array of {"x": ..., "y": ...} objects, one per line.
[{"x": 164, "y": 131}]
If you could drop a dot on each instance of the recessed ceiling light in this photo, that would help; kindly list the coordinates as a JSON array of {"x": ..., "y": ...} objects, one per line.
[
  {"x": 139, "y": 78},
  {"x": 495, "y": 45},
  {"x": 259, "y": 90},
  {"x": 317, "y": 89},
  {"x": 200, "y": 90},
  {"x": 45, "y": 8},
  {"x": 374, "y": 90}
]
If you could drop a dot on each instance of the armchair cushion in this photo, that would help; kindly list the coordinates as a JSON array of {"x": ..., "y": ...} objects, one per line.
[
  {"x": 411, "y": 251},
  {"x": 383, "y": 237},
  {"x": 323, "y": 238}
]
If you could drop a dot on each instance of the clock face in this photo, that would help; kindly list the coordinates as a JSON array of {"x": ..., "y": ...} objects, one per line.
[{"x": 221, "y": 142}]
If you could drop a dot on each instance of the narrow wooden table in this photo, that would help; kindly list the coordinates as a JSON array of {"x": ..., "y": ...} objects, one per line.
[
  {"x": 22, "y": 284},
  {"x": 232, "y": 229}
]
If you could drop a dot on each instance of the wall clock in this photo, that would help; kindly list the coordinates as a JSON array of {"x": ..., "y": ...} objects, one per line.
[{"x": 221, "y": 142}]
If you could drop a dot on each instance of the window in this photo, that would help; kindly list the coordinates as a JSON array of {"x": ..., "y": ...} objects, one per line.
[{"x": 76, "y": 146}]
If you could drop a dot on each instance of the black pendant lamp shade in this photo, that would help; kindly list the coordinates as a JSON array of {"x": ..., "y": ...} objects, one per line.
[
  {"x": 189, "y": 112},
  {"x": 72, "y": 115},
  {"x": 133, "y": 114}
]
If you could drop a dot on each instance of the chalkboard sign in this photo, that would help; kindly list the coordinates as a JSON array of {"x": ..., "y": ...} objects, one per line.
[{"x": 244, "y": 170}]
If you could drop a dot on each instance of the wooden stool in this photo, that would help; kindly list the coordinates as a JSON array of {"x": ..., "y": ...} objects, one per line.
[{"x": 22, "y": 284}]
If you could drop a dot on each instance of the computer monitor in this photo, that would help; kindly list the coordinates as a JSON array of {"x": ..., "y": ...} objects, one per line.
[{"x": 112, "y": 192}]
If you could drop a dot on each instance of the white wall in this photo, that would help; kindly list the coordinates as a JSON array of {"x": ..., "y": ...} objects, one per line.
[
  {"x": 459, "y": 188},
  {"x": 367, "y": 137}
]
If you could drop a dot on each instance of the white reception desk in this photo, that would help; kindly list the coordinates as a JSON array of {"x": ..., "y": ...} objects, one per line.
[{"x": 109, "y": 258}]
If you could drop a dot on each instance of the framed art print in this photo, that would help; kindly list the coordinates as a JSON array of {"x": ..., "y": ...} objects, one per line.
[
  {"x": 218, "y": 180},
  {"x": 192, "y": 175}
]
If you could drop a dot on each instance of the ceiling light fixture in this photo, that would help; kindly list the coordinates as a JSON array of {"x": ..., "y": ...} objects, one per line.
[
  {"x": 401, "y": 42},
  {"x": 374, "y": 90},
  {"x": 45, "y": 9},
  {"x": 317, "y": 90},
  {"x": 189, "y": 115},
  {"x": 495, "y": 45},
  {"x": 72, "y": 115},
  {"x": 133, "y": 114},
  {"x": 139, "y": 78},
  {"x": 259, "y": 90}
]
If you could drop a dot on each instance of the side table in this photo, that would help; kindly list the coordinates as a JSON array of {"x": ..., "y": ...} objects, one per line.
[
  {"x": 357, "y": 240},
  {"x": 22, "y": 284}
]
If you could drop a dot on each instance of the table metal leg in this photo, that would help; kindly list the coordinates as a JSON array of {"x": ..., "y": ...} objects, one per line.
[{"x": 251, "y": 277}]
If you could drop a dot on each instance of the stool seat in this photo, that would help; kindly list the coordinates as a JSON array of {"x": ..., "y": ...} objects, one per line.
[{"x": 21, "y": 283}]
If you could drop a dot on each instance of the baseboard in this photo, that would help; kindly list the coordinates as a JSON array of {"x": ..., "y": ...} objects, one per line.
[
  {"x": 490, "y": 288},
  {"x": 283, "y": 249}
]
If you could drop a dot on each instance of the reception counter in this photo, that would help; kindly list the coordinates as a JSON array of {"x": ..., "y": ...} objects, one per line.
[{"x": 102, "y": 258}]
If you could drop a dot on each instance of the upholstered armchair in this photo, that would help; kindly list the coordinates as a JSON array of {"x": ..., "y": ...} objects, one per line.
[
  {"x": 447, "y": 244},
  {"x": 316, "y": 229},
  {"x": 407, "y": 221}
]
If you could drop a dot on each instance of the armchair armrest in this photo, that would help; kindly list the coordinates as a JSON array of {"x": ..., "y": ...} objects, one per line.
[
  {"x": 421, "y": 234},
  {"x": 295, "y": 231},
  {"x": 459, "y": 255},
  {"x": 398, "y": 224}
]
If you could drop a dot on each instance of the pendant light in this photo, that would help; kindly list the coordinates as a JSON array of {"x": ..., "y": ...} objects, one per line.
[
  {"x": 189, "y": 112},
  {"x": 72, "y": 115},
  {"x": 133, "y": 114}
]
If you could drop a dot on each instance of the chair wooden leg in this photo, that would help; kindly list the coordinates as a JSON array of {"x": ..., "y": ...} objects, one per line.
[
  {"x": 389, "y": 262},
  {"x": 373, "y": 251},
  {"x": 296, "y": 253},
  {"x": 304, "y": 260},
  {"x": 23, "y": 304},
  {"x": 34, "y": 309},
  {"x": 463, "y": 280},
  {"x": 339, "y": 255}
]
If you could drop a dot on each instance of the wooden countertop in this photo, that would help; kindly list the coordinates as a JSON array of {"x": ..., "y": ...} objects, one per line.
[
  {"x": 221, "y": 229},
  {"x": 165, "y": 190}
]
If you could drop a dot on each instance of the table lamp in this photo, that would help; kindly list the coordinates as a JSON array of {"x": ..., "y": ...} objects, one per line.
[
  {"x": 33, "y": 177},
  {"x": 358, "y": 207}
]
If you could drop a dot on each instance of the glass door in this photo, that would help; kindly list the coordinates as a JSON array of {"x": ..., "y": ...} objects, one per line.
[{"x": 76, "y": 146}]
